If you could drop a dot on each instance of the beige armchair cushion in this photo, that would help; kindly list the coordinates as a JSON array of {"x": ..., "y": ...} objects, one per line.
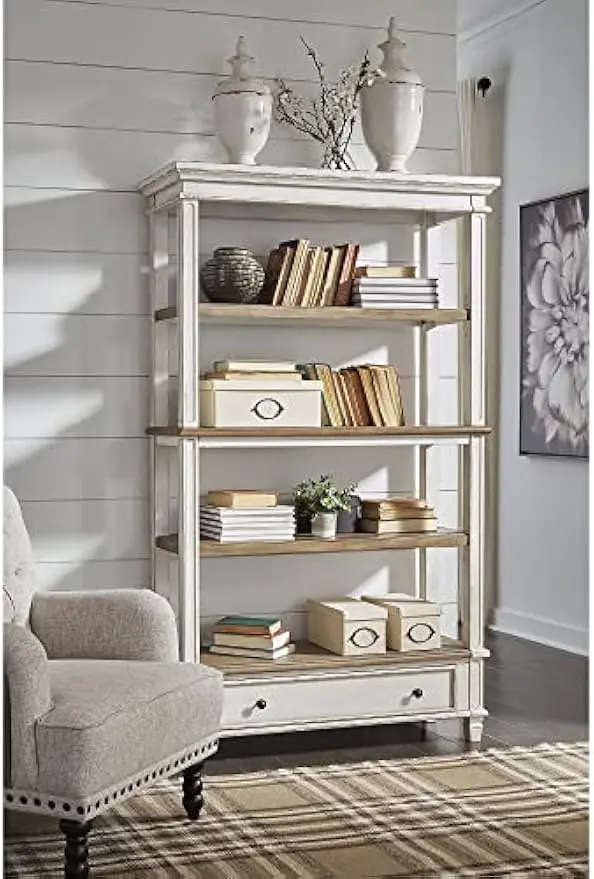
[{"x": 113, "y": 719}]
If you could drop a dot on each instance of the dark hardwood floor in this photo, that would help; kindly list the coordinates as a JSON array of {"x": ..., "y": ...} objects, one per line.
[{"x": 533, "y": 694}]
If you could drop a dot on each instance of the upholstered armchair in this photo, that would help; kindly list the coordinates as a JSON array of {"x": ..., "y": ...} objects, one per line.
[{"x": 97, "y": 705}]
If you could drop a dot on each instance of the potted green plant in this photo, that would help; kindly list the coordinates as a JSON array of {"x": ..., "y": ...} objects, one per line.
[{"x": 320, "y": 501}]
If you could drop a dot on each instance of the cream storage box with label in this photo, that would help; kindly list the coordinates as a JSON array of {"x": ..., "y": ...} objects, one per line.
[
  {"x": 347, "y": 626},
  {"x": 413, "y": 624},
  {"x": 260, "y": 403}
]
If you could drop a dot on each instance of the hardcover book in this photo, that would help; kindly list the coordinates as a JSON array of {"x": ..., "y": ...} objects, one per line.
[
  {"x": 241, "y": 498},
  {"x": 397, "y": 526},
  {"x": 396, "y": 271},
  {"x": 248, "y": 625},
  {"x": 252, "y": 366},
  {"x": 253, "y": 654},
  {"x": 343, "y": 291},
  {"x": 258, "y": 642}
]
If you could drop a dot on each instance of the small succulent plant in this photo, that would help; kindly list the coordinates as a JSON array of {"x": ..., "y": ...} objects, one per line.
[{"x": 321, "y": 495}]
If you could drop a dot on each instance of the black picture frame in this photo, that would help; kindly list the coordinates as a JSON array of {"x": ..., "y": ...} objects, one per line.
[{"x": 554, "y": 326}]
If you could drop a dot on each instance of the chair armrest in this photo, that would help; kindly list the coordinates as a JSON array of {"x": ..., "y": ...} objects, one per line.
[
  {"x": 27, "y": 690},
  {"x": 106, "y": 624}
]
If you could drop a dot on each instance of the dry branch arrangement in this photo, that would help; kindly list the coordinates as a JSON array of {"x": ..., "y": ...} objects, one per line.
[{"x": 330, "y": 118}]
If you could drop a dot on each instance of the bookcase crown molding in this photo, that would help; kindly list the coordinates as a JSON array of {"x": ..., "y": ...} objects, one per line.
[{"x": 445, "y": 195}]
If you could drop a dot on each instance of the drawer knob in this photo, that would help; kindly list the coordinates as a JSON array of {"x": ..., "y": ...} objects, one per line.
[
  {"x": 417, "y": 693},
  {"x": 261, "y": 704}
]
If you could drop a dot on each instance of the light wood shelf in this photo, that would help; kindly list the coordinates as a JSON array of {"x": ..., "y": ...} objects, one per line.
[
  {"x": 438, "y": 431},
  {"x": 309, "y": 658},
  {"x": 313, "y": 545},
  {"x": 213, "y": 313}
]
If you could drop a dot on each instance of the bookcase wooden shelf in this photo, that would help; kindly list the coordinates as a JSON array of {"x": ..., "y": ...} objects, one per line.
[
  {"x": 312, "y": 688},
  {"x": 337, "y": 318},
  {"x": 307, "y": 545},
  {"x": 297, "y": 437},
  {"x": 309, "y": 657}
]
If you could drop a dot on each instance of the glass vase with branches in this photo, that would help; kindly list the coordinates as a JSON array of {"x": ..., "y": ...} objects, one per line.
[{"x": 330, "y": 117}]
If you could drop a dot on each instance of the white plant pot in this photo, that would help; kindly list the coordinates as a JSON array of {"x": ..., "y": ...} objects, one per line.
[
  {"x": 242, "y": 107},
  {"x": 392, "y": 108},
  {"x": 323, "y": 525}
]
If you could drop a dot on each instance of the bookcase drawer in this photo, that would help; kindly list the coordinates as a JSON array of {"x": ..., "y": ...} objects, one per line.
[
  {"x": 295, "y": 703},
  {"x": 260, "y": 406}
]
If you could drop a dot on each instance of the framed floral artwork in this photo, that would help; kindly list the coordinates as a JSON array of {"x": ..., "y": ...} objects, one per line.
[{"x": 555, "y": 340}]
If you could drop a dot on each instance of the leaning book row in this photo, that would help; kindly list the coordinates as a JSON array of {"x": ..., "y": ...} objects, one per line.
[
  {"x": 359, "y": 396},
  {"x": 301, "y": 274}
]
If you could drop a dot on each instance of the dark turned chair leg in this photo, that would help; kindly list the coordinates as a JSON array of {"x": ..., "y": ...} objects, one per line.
[
  {"x": 76, "y": 855},
  {"x": 193, "y": 799}
]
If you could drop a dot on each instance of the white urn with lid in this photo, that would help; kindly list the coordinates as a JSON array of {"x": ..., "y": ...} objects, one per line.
[
  {"x": 242, "y": 109},
  {"x": 392, "y": 107}
]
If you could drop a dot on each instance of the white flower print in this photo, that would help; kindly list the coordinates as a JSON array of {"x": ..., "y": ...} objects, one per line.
[{"x": 555, "y": 369}]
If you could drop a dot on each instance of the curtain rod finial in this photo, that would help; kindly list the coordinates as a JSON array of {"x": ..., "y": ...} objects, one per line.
[{"x": 483, "y": 85}]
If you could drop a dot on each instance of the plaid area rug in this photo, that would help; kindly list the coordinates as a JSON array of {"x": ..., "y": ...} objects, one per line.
[{"x": 521, "y": 812}]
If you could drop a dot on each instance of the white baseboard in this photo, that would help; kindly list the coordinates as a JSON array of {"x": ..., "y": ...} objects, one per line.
[{"x": 574, "y": 639}]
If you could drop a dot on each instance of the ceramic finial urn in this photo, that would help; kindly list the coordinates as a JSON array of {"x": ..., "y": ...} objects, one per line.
[
  {"x": 242, "y": 109},
  {"x": 392, "y": 107}
]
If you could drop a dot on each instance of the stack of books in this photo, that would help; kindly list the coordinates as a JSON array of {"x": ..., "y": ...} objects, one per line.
[
  {"x": 252, "y": 637},
  {"x": 397, "y": 515},
  {"x": 358, "y": 396},
  {"x": 302, "y": 274},
  {"x": 392, "y": 287},
  {"x": 256, "y": 370},
  {"x": 233, "y": 516}
]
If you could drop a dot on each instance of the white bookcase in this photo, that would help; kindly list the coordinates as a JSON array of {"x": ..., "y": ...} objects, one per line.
[{"x": 313, "y": 689}]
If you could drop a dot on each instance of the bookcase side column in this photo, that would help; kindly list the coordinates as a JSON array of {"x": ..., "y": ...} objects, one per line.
[
  {"x": 421, "y": 398},
  {"x": 188, "y": 414},
  {"x": 189, "y": 549},
  {"x": 188, "y": 296},
  {"x": 472, "y": 469}
]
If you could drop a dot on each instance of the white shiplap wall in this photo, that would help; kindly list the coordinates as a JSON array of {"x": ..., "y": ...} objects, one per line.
[{"x": 98, "y": 94}]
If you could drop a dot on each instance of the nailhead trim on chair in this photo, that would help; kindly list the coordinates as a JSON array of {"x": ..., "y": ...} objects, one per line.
[{"x": 90, "y": 807}]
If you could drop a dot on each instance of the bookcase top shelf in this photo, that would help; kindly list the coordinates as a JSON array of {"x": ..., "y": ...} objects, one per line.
[
  {"x": 313, "y": 545},
  {"x": 213, "y": 313},
  {"x": 446, "y": 196}
]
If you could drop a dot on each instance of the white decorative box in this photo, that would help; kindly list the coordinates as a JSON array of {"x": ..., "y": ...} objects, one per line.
[
  {"x": 413, "y": 624},
  {"x": 347, "y": 626},
  {"x": 254, "y": 403}
]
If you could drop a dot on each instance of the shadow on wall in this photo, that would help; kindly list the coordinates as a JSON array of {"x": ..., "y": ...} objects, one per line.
[{"x": 62, "y": 383}]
